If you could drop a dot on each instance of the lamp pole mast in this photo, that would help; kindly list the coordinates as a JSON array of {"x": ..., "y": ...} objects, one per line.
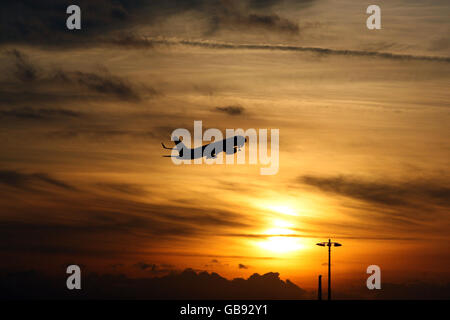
[
  {"x": 329, "y": 269},
  {"x": 329, "y": 244}
]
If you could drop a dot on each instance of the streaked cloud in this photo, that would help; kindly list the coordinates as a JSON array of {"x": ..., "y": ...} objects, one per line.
[
  {"x": 317, "y": 50},
  {"x": 404, "y": 193},
  {"x": 31, "y": 181},
  {"x": 231, "y": 110}
]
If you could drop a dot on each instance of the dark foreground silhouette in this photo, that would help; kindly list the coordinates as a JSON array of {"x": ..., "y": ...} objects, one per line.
[
  {"x": 182, "y": 285},
  {"x": 191, "y": 285}
]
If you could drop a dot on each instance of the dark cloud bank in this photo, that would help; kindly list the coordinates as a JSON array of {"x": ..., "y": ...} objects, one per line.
[
  {"x": 408, "y": 205},
  {"x": 191, "y": 285},
  {"x": 44, "y": 22},
  {"x": 111, "y": 22},
  {"x": 27, "y": 84},
  {"x": 176, "y": 285},
  {"x": 31, "y": 182},
  {"x": 397, "y": 194}
]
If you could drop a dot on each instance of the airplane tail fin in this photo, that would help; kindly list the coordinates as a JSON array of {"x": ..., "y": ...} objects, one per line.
[
  {"x": 179, "y": 146},
  {"x": 165, "y": 146}
]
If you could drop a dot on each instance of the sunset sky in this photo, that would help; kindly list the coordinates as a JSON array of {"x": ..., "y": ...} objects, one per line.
[{"x": 364, "y": 138}]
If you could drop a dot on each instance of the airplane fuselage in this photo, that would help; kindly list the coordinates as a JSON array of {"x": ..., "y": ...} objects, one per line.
[{"x": 210, "y": 151}]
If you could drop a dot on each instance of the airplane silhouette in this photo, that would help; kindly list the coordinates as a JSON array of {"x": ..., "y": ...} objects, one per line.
[{"x": 210, "y": 150}]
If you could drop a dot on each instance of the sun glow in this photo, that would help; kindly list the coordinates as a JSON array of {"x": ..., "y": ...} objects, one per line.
[
  {"x": 280, "y": 238},
  {"x": 281, "y": 244},
  {"x": 287, "y": 210}
]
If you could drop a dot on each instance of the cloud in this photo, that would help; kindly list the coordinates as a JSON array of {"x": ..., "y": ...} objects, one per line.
[
  {"x": 25, "y": 71},
  {"x": 247, "y": 16},
  {"x": 43, "y": 23},
  {"x": 404, "y": 193},
  {"x": 101, "y": 83},
  {"x": 39, "y": 87},
  {"x": 130, "y": 41},
  {"x": 317, "y": 50},
  {"x": 155, "y": 269},
  {"x": 92, "y": 215},
  {"x": 144, "y": 266},
  {"x": 187, "y": 284},
  {"x": 321, "y": 235},
  {"x": 31, "y": 181},
  {"x": 272, "y": 22},
  {"x": 116, "y": 266},
  {"x": 124, "y": 188},
  {"x": 440, "y": 44},
  {"x": 39, "y": 113},
  {"x": 101, "y": 134},
  {"x": 190, "y": 284},
  {"x": 411, "y": 210},
  {"x": 233, "y": 19},
  {"x": 242, "y": 266},
  {"x": 231, "y": 110}
]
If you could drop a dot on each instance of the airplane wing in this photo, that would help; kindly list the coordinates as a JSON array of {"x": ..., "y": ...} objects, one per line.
[{"x": 165, "y": 146}]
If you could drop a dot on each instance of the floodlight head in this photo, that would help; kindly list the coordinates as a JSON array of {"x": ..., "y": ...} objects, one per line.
[
  {"x": 329, "y": 244},
  {"x": 320, "y": 244}
]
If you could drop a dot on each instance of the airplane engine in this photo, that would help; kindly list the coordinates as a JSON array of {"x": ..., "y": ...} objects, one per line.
[{"x": 233, "y": 151}]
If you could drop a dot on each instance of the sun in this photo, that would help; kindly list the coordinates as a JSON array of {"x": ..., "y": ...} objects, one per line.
[
  {"x": 280, "y": 238},
  {"x": 281, "y": 244}
]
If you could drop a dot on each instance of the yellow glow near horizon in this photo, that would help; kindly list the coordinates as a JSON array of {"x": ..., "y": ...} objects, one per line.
[
  {"x": 280, "y": 242},
  {"x": 284, "y": 209},
  {"x": 282, "y": 223}
]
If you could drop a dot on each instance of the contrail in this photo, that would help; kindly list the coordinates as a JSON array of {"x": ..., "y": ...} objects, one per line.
[{"x": 318, "y": 50}]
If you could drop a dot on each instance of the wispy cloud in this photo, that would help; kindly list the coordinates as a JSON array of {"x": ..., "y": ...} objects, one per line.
[
  {"x": 404, "y": 193},
  {"x": 38, "y": 113},
  {"x": 96, "y": 214},
  {"x": 43, "y": 23},
  {"x": 31, "y": 181},
  {"x": 397, "y": 210},
  {"x": 231, "y": 110},
  {"x": 25, "y": 71},
  {"x": 37, "y": 84},
  {"x": 124, "y": 188},
  {"x": 317, "y": 50}
]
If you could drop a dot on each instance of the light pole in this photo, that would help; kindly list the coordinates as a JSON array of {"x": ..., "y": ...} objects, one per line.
[
  {"x": 329, "y": 244},
  {"x": 319, "y": 288}
]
